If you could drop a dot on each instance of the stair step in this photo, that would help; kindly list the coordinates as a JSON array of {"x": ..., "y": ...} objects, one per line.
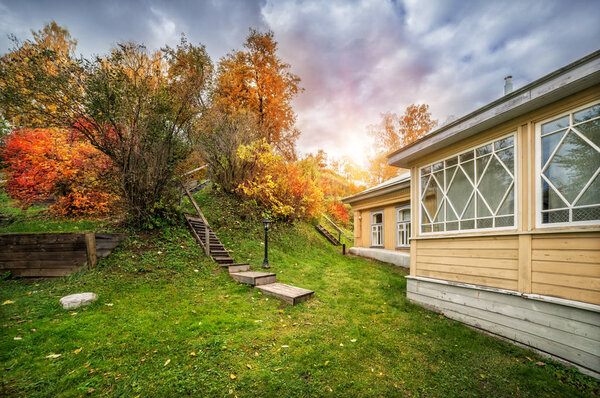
[
  {"x": 223, "y": 260},
  {"x": 290, "y": 294},
  {"x": 254, "y": 278},
  {"x": 232, "y": 268}
]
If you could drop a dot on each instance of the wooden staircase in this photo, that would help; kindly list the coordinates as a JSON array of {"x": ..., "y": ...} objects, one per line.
[
  {"x": 265, "y": 281},
  {"x": 334, "y": 241}
]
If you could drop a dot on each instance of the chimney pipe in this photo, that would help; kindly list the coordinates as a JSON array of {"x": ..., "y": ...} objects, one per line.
[{"x": 508, "y": 87}]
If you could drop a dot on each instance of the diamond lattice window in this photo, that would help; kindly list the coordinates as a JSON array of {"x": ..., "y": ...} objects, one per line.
[
  {"x": 473, "y": 190},
  {"x": 570, "y": 167}
]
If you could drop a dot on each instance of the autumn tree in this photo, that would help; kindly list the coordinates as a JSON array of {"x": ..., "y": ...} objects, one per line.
[
  {"x": 137, "y": 107},
  {"x": 394, "y": 132},
  {"x": 218, "y": 137},
  {"x": 255, "y": 79}
]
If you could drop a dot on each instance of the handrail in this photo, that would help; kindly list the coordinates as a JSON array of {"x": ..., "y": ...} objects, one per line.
[
  {"x": 338, "y": 229},
  {"x": 201, "y": 215},
  {"x": 193, "y": 171}
]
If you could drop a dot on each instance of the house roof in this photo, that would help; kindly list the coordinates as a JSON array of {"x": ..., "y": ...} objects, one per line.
[
  {"x": 393, "y": 184},
  {"x": 577, "y": 76}
]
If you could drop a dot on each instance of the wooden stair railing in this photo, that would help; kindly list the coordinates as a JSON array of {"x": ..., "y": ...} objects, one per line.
[
  {"x": 334, "y": 225},
  {"x": 206, "y": 243}
]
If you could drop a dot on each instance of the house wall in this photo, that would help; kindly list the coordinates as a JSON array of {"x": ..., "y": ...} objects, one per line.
[
  {"x": 557, "y": 261},
  {"x": 386, "y": 203},
  {"x": 536, "y": 286}
]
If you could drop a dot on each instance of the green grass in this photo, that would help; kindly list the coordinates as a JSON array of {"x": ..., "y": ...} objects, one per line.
[{"x": 168, "y": 323}]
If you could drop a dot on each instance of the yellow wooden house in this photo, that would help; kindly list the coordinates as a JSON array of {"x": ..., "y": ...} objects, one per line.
[
  {"x": 382, "y": 221},
  {"x": 505, "y": 213}
]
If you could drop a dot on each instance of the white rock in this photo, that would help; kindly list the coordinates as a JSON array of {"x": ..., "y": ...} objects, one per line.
[{"x": 77, "y": 300}]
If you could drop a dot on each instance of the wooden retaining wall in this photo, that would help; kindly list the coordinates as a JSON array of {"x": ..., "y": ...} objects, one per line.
[{"x": 53, "y": 254}]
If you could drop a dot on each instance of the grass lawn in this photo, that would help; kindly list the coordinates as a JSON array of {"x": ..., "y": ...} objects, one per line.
[{"x": 169, "y": 323}]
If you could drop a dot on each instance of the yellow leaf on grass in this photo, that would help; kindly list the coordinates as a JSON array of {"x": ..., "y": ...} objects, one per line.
[
  {"x": 8, "y": 302},
  {"x": 77, "y": 351},
  {"x": 53, "y": 355},
  {"x": 167, "y": 362},
  {"x": 326, "y": 363},
  {"x": 232, "y": 376},
  {"x": 249, "y": 366},
  {"x": 192, "y": 354}
]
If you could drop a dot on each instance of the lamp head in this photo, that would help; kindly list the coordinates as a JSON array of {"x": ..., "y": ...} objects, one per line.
[{"x": 267, "y": 223}]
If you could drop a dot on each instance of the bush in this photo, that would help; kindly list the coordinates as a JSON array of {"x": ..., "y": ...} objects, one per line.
[{"x": 60, "y": 166}]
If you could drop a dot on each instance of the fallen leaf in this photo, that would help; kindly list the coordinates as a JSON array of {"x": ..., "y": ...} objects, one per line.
[
  {"x": 18, "y": 338},
  {"x": 77, "y": 351},
  {"x": 249, "y": 366},
  {"x": 91, "y": 390},
  {"x": 86, "y": 365},
  {"x": 232, "y": 376},
  {"x": 326, "y": 363},
  {"x": 73, "y": 371},
  {"x": 108, "y": 304},
  {"x": 8, "y": 302},
  {"x": 168, "y": 361},
  {"x": 540, "y": 363},
  {"x": 53, "y": 355},
  {"x": 353, "y": 341},
  {"x": 192, "y": 354},
  {"x": 341, "y": 344},
  {"x": 285, "y": 346}
]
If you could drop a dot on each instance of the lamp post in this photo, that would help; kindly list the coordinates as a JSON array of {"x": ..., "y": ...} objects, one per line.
[{"x": 267, "y": 224}]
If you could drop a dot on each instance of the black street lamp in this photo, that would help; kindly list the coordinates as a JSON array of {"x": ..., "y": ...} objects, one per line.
[{"x": 267, "y": 224}]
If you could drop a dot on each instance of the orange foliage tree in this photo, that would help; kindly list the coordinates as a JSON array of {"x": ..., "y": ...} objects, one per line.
[
  {"x": 394, "y": 132},
  {"x": 285, "y": 188},
  {"x": 59, "y": 165},
  {"x": 257, "y": 80}
]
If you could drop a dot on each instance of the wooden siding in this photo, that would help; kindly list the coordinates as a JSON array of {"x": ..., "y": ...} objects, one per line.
[
  {"x": 486, "y": 261},
  {"x": 572, "y": 334},
  {"x": 566, "y": 265}
]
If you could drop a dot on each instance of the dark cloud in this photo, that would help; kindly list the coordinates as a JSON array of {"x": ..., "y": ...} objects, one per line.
[{"x": 356, "y": 58}]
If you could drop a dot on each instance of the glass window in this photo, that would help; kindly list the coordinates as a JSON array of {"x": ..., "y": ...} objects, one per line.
[
  {"x": 402, "y": 227},
  {"x": 377, "y": 228},
  {"x": 569, "y": 167},
  {"x": 472, "y": 190}
]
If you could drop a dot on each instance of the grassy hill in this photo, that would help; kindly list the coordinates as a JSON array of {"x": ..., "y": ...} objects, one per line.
[{"x": 168, "y": 322}]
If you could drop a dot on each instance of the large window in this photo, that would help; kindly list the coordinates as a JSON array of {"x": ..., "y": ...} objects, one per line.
[
  {"x": 377, "y": 228},
  {"x": 568, "y": 167},
  {"x": 402, "y": 226},
  {"x": 470, "y": 191}
]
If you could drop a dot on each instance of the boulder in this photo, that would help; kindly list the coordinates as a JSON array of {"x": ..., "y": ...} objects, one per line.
[{"x": 77, "y": 300}]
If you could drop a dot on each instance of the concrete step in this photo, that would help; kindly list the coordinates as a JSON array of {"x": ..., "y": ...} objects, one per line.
[
  {"x": 254, "y": 278},
  {"x": 290, "y": 294}
]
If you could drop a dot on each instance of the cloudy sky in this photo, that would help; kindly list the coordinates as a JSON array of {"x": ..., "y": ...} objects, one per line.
[{"x": 356, "y": 59}]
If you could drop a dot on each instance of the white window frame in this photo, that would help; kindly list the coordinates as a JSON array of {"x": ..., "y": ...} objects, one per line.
[
  {"x": 405, "y": 228},
  {"x": 516, "y": 144},
  {"x": 538, "y": 172},
  {"x": 376, "y": 226}
]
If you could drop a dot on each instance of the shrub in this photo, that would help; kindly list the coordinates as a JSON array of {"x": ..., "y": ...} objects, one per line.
[{"x": 58, "y": 165}]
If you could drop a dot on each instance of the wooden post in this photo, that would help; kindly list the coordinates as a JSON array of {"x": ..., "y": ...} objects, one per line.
[
  {"x": 207, "y": 240},
  {"x": 90, "y": 246}
]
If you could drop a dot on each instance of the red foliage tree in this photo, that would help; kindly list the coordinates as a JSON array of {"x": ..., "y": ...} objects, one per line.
[{"x": 58, "y": 165}]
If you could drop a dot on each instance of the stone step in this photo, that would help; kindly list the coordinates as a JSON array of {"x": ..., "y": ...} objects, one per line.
[
  {"x": 290, "y": 294},
  {"x": 254, "y": 278}
]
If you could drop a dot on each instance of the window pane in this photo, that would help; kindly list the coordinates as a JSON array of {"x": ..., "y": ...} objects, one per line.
[
  {"x": 591, "y": 195},
  {"x": 484, "y": 150},
  {"x": 555, "y": 125},
  {"x": 468, "y": 224},
  {"x": 484, "y": 223},
  {"x": 377, "y": 218},
  {"x": 465, "y": 157},
  {"x": 482, "y": 209},
  {"x": 585, "y": 114},
  {"x": 452, "y": 226},
  {"x": 591, "y": 130},
  {"x": 556, "y": 216},
  {"x": 426, "y": 228},
  {"x": 438, "y": 166},
  {"x": 481, "y": 163},
  {"x": 572, "y": 166},
  {"x": 508, "y": 158},
  {"x": 425, "y": 171},
  {"x": 505, "y": 221},
  {"x": 469, "y": 169},
  {"x": 549, "y": 143},
  {"x": 508, "y": 206},
  {"x": 460, "y": 191},
  {"x": 432, "y": 198},
  {"x": 505, "y": 143},
  {"x": 452, "y": 161},
  {"x": 550, "y": 199},
  {"x": 586, "y": 213},
  {"x": 495, "y": 183},
  {"x": 406, "y": 215}
]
